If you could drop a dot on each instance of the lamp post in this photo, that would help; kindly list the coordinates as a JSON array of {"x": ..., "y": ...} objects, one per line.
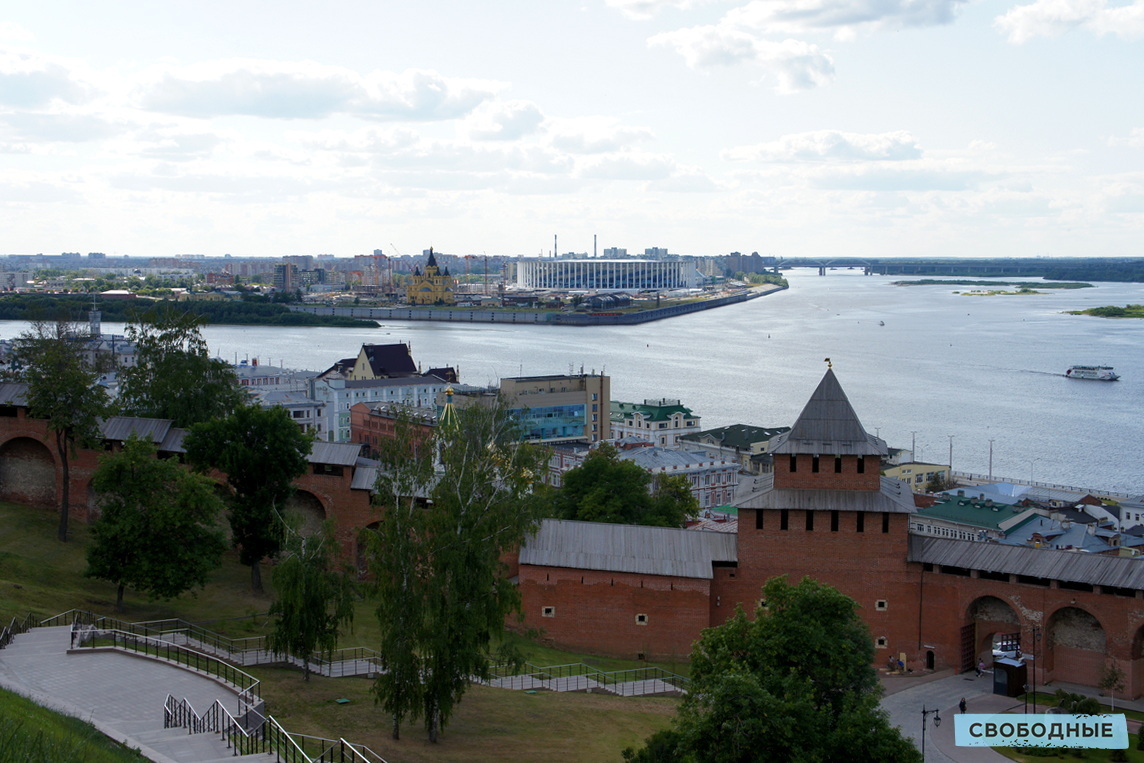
[
  {"x": 990, "y": 460},
  {"x": 936, "y": 723},
  {"x": 1036, "y": 640},
  {"x": 1026, "y": 689}
]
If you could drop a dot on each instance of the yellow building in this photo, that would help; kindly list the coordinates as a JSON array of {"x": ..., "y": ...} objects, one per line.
[{"x": 433, "y": 287}]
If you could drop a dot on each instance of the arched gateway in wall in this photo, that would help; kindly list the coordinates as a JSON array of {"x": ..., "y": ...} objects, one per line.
[{"x": 987, "y": 618}]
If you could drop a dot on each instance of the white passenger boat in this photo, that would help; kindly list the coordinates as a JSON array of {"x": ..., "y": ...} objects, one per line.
[{"x": 1093, "y": 373}]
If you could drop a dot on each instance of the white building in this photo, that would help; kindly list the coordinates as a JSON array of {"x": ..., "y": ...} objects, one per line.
[
  {"x": 339, "y": 394},
  {"x": 605, "y": 275},
  {"x": 660, "y": 422},
  {"x": 713, "y": 478}
]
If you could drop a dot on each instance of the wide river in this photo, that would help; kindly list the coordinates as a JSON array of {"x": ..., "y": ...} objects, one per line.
[{"x": 976, "y": 368}]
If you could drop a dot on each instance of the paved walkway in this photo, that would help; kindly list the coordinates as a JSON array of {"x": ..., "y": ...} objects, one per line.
[
  {"x": 120, "y": 694},
  {"x": 905, "y": 697}
]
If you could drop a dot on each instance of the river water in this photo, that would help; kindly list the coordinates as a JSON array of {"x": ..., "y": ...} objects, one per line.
[{"x": 977, "y": 368}]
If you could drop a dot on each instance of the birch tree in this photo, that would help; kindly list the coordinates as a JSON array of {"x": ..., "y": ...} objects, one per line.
[{"x": 442, "y": 592}]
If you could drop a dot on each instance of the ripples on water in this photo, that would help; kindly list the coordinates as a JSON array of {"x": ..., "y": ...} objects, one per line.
[{"x": 977, "y": 368}]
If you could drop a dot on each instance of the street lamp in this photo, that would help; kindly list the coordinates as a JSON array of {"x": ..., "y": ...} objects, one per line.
[
  {"x": 1036, "y": 641},
  {"x": 936, "y": 723}
]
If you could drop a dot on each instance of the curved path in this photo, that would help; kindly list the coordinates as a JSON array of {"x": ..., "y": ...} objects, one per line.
[{"x": 120, "y": 694}]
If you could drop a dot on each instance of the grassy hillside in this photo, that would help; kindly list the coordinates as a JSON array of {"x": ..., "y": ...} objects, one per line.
[
  {"x": 32, "y": 734},
  {"x": 41, "y": 575}
]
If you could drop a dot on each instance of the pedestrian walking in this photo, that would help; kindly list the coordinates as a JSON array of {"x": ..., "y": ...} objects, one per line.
[
  {"x": 961, "y": 705},
  {"x": 980, "y": 668}
]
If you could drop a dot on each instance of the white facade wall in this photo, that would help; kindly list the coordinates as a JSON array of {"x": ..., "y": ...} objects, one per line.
[
  {"x": 613, "y": 275},
  {"x": 338, "y": 396}
]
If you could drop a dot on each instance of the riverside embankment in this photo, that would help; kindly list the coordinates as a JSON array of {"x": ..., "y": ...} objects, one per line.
[{"x": 548, "y": 317}]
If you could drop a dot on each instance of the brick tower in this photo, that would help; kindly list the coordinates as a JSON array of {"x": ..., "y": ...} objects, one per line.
[{"x": 825, "y": 512}]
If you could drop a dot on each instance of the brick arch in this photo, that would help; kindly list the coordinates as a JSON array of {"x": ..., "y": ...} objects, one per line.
[
  {"x": 309, "y": 509},
  {"x": 27, "y": 472},
  {"x": 1075, "y": 644},
  {"x": 990, "y": 616}
]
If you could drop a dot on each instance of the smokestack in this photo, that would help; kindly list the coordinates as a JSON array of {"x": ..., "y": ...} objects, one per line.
[
  {"x": 555, "y": 248},
  {"x": 593, "y": 244}
]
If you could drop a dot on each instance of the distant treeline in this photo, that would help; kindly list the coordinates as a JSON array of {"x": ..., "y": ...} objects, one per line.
[
  {"x": 1126, "y": 270},
  {"x": 31, "y": 307}
]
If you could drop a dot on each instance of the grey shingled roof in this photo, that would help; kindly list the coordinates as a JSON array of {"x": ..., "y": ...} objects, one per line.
[
  {"x": 14, "y": 393},
  {"x": 628, "y": 548},
  {"x": 759, "y": 492},
  {"x": 120, "y": 428},
  {"x": 828, "y": 424},
  {"x": 335, "y": 453},
  {"x": 1071, "y": 566}
]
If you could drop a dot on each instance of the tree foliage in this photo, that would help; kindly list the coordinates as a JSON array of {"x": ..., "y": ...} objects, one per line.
[
  {"x": 261, "y": 451},
  {"x": 62, "y": 389},
  {"x": 436, "y": 556},
  {"x": 607, "y": 488},
  {"x": 794, "y": 684},
  {"x": 174, "y": 376},
  {"x": 158, "y": 529},
  {"x": 315, "y": 597}
]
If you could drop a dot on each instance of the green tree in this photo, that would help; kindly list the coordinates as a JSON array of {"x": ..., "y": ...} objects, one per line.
[
  {"x": 62, "y": 389},
  {"x": 315, "y": 597},
  {"x": 607, "y": 488},
  {"x": 442, "y": 592},
  {"x": 174, "y": 376},
  {"x": 261, "y": 451},
  {"x": 794, "y": 684},
  {"x": 1111, "y": 680},
  {"x": 158, "y": 529}
]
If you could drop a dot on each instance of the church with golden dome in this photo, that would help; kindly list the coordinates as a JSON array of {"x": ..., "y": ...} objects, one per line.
[{"x": 434, "y": 286}]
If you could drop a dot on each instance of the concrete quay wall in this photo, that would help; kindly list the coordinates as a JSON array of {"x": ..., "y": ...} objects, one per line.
[{"x": 467, "y": 315}]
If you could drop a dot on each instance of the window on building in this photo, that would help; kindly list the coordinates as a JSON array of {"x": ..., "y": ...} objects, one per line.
[
  {"x": 834, "y": 521},
  {"x": 860, "y": 521},
  {"x": 794, "y": 462},
  {"x": 880, "y": 605},
  {"x": 881, "y": 642},
  {"x": 814, "y": 464},
  {"x": 885, "y": 522},
  {"x": 838, "y": 464},
  {"x": 809, "y": 520},
  {"x": 641, "y": 619},
  {"x": 861, "y": 464},
  {"x": 758, "y": 519},
  {"x": 784, "y": 519},
  {"x": 548, "y": 611}
]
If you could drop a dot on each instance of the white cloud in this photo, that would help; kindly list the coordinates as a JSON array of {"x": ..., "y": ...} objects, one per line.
[
  {"x": 844, "y": 17},
  {"x": 503, "y": 120},
  {"x": 176, "y": 145},
  {"x": 795, "y": 65},
  {"x": 831, "y": 145},
  {"x": 1050, "y": 18},
  {"x": 28, "y": 81},
  {"x": 66, "y": 128},
  {"x": 1134, "y": 139},
  {"x": 627, "y": 166},
  {"x": 646, "y": 9},
  {"x": 594, "y": 135},
  {"x": 10, "y": 31},
  {"x": 308, "y": 90}
]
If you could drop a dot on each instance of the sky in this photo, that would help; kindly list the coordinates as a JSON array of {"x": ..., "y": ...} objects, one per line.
[{"x": 793, "y": 128}]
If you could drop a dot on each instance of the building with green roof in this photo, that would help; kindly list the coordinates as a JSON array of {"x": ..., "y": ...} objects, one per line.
[{"x": 661, "y": 422}]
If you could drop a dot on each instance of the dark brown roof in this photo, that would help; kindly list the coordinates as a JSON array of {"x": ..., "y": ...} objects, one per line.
[
  {"x": 828, "y": 424},
  {"x": 389, "y": 359}
]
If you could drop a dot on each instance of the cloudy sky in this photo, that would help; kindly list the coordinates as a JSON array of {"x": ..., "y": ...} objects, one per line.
[{"x": 787, "y": 127}]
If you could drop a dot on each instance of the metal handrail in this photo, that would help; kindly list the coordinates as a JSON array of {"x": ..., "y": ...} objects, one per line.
[
  {"x": 16, "y": 627},
  {"x": 92, "y": 636}
]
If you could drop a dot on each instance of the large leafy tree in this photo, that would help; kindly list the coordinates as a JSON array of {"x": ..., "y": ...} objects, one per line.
[
  {"x": 173, "y": 376},
  {"x": 315, "y": 597},
  {"x": 795, "y": 683},
  {"x": 158, "y": 529},
  {"x": 261, "y": 451},
  {"x": 607, "y": 488},
  {"x": 442, "y": 593},
  {"x": 62, "y": 389}
]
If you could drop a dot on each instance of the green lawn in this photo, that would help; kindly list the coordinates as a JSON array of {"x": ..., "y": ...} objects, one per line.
[
  {"x": 41, "y": 575},
  {"x": 32, "y": 734}
]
